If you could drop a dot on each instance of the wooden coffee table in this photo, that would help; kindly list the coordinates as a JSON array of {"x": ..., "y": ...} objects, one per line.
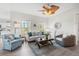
[{"x": 40, "y": 42}]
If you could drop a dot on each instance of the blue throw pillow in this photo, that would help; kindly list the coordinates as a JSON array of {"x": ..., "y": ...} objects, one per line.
[
  {"x": 42, "y": 33},
  {"x": 30, "y": 34}
]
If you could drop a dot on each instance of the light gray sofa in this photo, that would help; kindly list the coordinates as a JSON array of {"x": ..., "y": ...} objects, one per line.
[
  {"x": 35, "y": 35},
  {"x": 11, "y": 43}
]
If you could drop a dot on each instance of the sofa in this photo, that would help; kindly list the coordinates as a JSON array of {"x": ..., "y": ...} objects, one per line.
[
  {"x": 67, "y": 41},
  {"x": 10, "y": 42},
  {"x": 32, "y": 36}
]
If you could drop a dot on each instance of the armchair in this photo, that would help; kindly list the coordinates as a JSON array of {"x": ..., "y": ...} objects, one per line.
[{"x": 67, "y": 41}]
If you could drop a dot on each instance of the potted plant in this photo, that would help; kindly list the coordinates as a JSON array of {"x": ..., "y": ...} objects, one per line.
[{"x": 46, "y": 34}]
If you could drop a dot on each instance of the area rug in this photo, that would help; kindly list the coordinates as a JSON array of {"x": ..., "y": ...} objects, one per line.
[
  {"x": 42, "y": 51},
  {"x": 53, "y": 50}
]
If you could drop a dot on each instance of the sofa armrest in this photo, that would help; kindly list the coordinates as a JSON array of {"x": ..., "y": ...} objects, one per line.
[{"x": 7, "y": 40}]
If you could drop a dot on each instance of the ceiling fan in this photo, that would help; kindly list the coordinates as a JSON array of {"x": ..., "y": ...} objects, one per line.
[{"x": 49, "y": 9}]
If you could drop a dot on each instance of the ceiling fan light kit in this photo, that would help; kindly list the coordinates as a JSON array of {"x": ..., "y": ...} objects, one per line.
[{"x": 50, "y": 9}]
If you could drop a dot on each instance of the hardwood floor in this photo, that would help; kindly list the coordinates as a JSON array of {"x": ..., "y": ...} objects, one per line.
[
  {"x": 26, "y": 50},
  {"x": 55, "y": 50},
  {"x": 22, "y": 51},
  {"x": 0, "y": 42}
]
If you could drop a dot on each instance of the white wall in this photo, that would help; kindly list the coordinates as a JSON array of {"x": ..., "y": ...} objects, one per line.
[
  {"x": 67, "y": 19},
  {"x": 30, "y": 18}
]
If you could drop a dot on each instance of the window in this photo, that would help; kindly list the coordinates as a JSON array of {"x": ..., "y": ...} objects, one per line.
[{"x": 24, "y": 24}]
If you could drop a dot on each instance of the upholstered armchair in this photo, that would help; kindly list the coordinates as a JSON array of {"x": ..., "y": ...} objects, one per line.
[{"x": 67, "y": 41}]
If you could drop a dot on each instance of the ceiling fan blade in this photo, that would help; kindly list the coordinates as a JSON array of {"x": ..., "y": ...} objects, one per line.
[
  {"x": 41, "y": 10},
  {"x": 54, "y": 6},
  {"x": 46, "y": 6}
]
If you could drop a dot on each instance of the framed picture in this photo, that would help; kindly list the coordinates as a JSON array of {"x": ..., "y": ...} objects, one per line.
[{"x": 58, "y": 25}]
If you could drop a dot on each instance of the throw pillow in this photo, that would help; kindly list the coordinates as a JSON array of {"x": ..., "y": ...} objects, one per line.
[
  {"x": 11, "y": 37},
  {"x": 42, "y": 33},
  {"x": 30, "y": 34}
]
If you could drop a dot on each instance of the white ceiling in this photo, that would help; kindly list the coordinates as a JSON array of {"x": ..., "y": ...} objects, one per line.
[{"x": 31, "y": 8}]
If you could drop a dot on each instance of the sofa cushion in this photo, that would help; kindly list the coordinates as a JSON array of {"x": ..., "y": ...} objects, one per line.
[
  {"x": 60, "y": 39},
  {"x": 33, "y": 37},
  {"x": 36, "y": 37},
  {"x": 60, "y": 42},
  {"x": 39, "y": 33},
  {"x": 10, "y": 37},
  {"x": 34, "y": 33}
]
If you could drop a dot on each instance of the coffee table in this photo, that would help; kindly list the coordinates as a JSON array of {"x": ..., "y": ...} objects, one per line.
[{"x": 40, "y": 42}]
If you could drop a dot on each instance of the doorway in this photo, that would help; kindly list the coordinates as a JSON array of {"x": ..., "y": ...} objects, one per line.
[{"x": 76, "y": 27}]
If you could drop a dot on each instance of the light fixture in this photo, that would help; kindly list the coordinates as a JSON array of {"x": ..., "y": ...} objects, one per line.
[{"x": 49, "y": 9}]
